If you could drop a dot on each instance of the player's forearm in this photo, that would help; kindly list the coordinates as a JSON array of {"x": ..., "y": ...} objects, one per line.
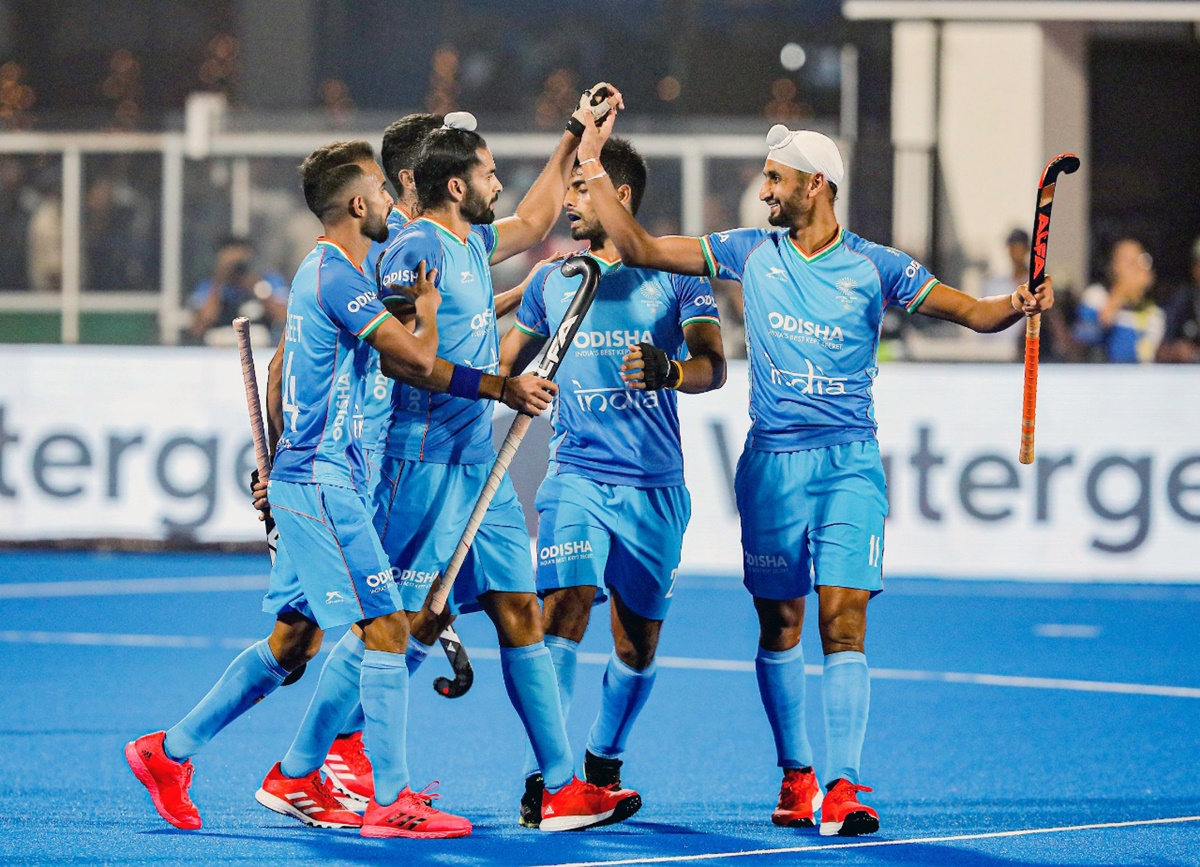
[
  {"x": 703, "y": 373},
  {"x": 994, "y": 313},
  {"x": 507, "y": 302},
  {"x": 540, "y": 207},
  {"x": 275, "y": 399},
  {"x": 632, "y": 241}
]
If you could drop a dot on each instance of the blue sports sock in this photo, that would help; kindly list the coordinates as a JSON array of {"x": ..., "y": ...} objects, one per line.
[
  {"x": 622, "y": 696},
  {"x": 846, "y": 689},
  {"x": 415, "y": 654},
  {"x": 356, "y": 720},
  {"x": 781, "y": 685},
  {"x": 384, "y": 688},
  {"x": 564, "y": 654},
  {"x": 530, "y": 680},
  {"x": 335, "y": 698},
  {"x": 251, "y": 677}
]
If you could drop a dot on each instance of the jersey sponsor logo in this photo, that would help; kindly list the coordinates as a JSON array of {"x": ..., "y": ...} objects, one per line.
[
  {"x": 765, "y": 562},
  {"x": 911, "y": 271},
  {"x": 480, "y": 322},
  {"x": 611, "y": 339},
  {"x": 332, "y": 597},
  {"x": 360, "y": 301},
  {"x": 776, "y": 273},
  {"x": 805, "y": 330},
  {"x": 618, "y": 398},
  {"x": 466, "y": 277},
  {"x": 578, "y": 549},
  {"x": 704, "y": 301},
  {"x": 814, "y": 381},
  {"x": 569, "y": 295}
]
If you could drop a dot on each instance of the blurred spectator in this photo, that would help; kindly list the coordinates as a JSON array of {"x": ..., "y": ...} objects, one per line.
[
  {"x": 17, "y": 202},
  {"x": 45, "y": 235},
  {"x": 1181, "y": 342},
  {"x": 116, "y": 236},
  {"x": 1119, "y": 322},
  {"x": 1057, "y": 344},
  {"x": 238, "y": 288}
]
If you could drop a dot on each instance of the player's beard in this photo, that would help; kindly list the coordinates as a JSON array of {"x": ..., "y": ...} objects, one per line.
[
  {"x": 376, "y": 228},
  {"x": 785, "y": 216},
  {"x": 592, "y": 232},
  {"x": 476, "y": 209}
]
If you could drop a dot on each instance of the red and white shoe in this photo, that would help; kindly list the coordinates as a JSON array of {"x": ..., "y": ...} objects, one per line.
[
  {"x": 582, "y": 805},
  {"x": 165, "y": 779},
  {"x": 412, "y": 815},
  {"x": 349, "y": 771},
  {"x": 308, "y": 799},
  {"x": 799, "y": 799},
  {"x": 843, "y": 815}
]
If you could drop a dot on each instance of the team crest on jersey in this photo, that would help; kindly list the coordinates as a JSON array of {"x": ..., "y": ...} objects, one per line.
[
  {"x": 652, "y": 296},
  {"x": 845, "y": 288}
]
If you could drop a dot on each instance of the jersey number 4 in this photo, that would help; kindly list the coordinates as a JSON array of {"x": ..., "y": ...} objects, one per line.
[{"x": 289, "y": 392}]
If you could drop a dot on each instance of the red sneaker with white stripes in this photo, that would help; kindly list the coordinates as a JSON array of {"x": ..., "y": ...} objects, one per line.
[
  {"x": 307, "y": 799},
  {"x": 412, "y": 815},
  {"x": 799, "y": 798},
  {"x": 165, "y": 779},
  {"x": 842, "y": 814},
  {"x": 349, "y": 771},
  {"x": 583, "y": 805}
]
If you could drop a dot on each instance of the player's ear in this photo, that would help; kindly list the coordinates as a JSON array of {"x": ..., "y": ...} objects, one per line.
[
  {"x": 358, "y": 207},
  {"x": 407, "y": 181},
  {"x": 625, "y": 196},
  {"x": 457, "y": 188}
]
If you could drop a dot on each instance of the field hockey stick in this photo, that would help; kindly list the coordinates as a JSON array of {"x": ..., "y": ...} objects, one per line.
[
  {"x": 547, "y": 366},
  {"x": 1061, "y": 164},
  {"x": 262, "y": 455}
]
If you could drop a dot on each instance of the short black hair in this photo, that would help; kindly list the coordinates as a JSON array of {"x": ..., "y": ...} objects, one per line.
[
  {"x": 445, "y": 154},
  {"x": 329, "y": 169},
  {"x": 625, "y": 166},
  {"x": 402, "y": 142}
]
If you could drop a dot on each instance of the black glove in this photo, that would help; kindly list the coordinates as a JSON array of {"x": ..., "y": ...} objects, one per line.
[{"x": 657, "y": 370}]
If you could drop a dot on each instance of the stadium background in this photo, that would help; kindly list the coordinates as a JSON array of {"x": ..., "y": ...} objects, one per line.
[{"x": 135, "y": 135}]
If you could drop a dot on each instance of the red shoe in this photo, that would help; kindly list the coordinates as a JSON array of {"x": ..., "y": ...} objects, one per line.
[
  {"x": 349, "y": 771},
  {"x": 411, "y": 815},
  {"x": 309, "y": 799},
  {"x": 799, "y": 798},
  {"x": 843, "y": 815},
  {"x": 582, "y": 805},
  {"x": 165, "y": 779}
]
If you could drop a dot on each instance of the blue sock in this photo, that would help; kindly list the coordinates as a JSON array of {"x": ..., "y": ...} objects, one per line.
[
  {"x": 384, "y": 688},
  {"x": 415, "y": 654},
  {"x": 781, "y": 685},
  {"x": 251, "y": 677},
  {"x": 623, "y": 694},
  {"x": 334, "y": 700},
  {"x": 356, "y": 720},
  {"x": 530, "y": 680},
  {"x": 846, "y": 689},
  {"x": 564, "y": 655}
]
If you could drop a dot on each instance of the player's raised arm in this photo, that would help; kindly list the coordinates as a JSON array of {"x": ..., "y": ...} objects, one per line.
[
  {"x": 537, "y": 212},
  {"x": 275, "y": 397},
  {"x": 638, "y": 248},
  {"x": 994, "y": 313},
  {"x": 404, "y": 353}
]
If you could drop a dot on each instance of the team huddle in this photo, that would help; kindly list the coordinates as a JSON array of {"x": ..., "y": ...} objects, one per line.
[{"x": 380, "y": 401}]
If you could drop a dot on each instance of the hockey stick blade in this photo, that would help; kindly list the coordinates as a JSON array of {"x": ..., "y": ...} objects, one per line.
[{"x": 464, "y": 675}]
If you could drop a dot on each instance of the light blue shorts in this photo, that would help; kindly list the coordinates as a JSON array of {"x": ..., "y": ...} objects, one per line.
[
  {"x": 329, "y": 566},
  {"x": 421, "y": 511},
  {"x": 812, "y": 516},
  {"x": 617, "y": 536}
]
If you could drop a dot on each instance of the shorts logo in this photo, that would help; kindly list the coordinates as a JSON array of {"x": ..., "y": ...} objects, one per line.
[
  {"x": 332, "y": 597},
  {"x": 765, "y": 562},
  {"x": 413, "y": 577},
  {"x": 579, "y": 549},
  {"x": 379, "y": 581}
]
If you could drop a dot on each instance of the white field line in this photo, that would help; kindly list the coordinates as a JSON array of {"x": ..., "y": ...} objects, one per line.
[
  {"x": 870, "y": 844},
  {"x": 106, "y": 639},
  {"x": 132, "y": 586}
]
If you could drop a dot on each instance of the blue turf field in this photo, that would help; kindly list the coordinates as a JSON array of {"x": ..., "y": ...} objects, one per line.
[{"x": 97, "y": 649}]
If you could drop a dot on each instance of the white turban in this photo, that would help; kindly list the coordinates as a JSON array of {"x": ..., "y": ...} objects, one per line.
[
  {"x": 806, "y": 151},
  {"x": 460, "y": 120}
]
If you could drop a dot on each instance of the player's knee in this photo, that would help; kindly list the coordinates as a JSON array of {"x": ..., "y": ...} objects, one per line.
[
  {"x": 517, "y": 617},
  {"x": 636, "y": 654},
  {"x": 843, "y": 632}
]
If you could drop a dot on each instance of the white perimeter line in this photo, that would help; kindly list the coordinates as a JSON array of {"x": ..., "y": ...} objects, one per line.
[
  {"x": 132, "y": 586},
  {"x": 867, "y": 844},
  {"x": 112, "y": 639}
]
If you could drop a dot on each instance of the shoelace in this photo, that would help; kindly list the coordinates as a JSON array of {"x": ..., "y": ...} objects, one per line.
[
  {"x": 424, "y": 799},
  {"x": 854, "y": 788},
  {"x": 324, "y": 794},
  {"x": 356, "y": 757}
]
